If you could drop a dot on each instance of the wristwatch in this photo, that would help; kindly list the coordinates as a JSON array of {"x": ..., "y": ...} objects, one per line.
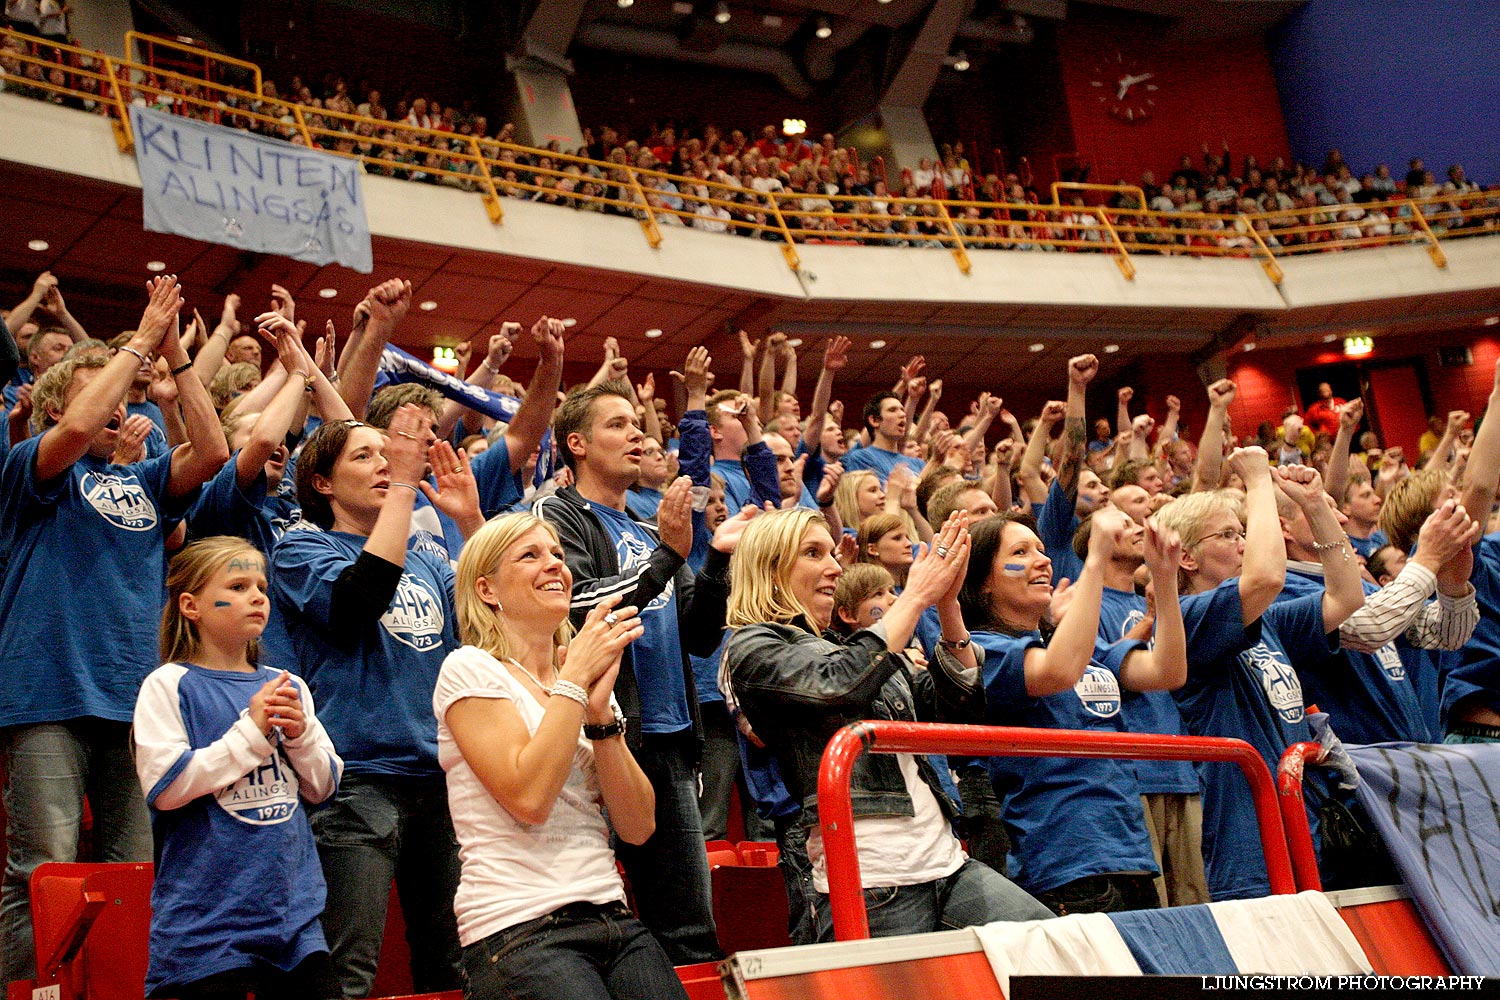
[{"x": 608, "y": 730}]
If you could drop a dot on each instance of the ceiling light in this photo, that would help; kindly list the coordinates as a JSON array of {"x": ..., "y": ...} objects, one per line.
[
  {"x": 1250, "y": 346},
  {"x": 569, "y": 322},
  {"x": 961, "y": 62},
  {"x": 653, "y": 333},
  {"x": 1037, "y": 348},
  {"x": 428, "y": 306},
  {"x": 793, "y": 126},
  {"x": 1111, "y": 348},
  {"x": 882, "y": 1},
  {"x": 38, "y": 245},
  {"x": 1488, "y": 320},
  {"x": 876, "y": 345},
  {"x": 155, "y": 266},
  {"x": 823, "y": 29},
  {"x": 328, "y": 293},
  {"x": 1329, "y": 338},
  {"x": 625, "y": 4},
  {"x": 721, "y": 13},
  {"x": 1358, "y": 347},
  {"x": 794, "y": 342}
]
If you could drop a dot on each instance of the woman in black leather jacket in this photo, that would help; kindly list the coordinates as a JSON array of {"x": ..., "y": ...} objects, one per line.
[{"x": 797, "y": 685}]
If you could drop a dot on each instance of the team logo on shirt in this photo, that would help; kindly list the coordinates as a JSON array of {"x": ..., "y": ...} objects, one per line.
[
  {"x": 120, "y": 500},
  {"x": 1282, "y": 685},
  {"x": 1390, "y": 662},
  {"x": 633, "y": 551},
  {"x": 264, "y": 797},
  {"x": 1133, "y": 617},
  {"x": 1099, "y": 692},
  {"x": 415, "y": 617},
  {"x": 422, "y": 540}
]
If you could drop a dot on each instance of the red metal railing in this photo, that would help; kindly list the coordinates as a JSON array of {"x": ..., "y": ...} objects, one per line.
[
  {"x": 836, "y": 808},
  {"x": 1299, "y": 840}
]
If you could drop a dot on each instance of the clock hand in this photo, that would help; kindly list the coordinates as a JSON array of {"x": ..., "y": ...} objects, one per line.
[{"x": 1125, "y": 82}]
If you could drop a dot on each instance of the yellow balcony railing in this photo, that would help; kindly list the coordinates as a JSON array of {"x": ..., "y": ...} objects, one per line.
[{"x": 660, "y": 201}]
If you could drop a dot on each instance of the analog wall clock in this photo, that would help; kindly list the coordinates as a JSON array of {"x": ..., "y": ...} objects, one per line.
[{"x": 1124, "y": 87}]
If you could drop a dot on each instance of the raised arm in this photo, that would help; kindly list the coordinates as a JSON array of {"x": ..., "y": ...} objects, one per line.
[
  {"x": 1123, "y": 397},
  {"x": 1208, "y": 471},
  {"x": 835, "y": 357},
  {"x": 1033, "y": 488},
  {"x": 530, "y": 422},
  {"x": 789, "y": 369},
  {"x": 206, "y": 451},
  {"x": 275, "y": 420},
  {"x": 1338, "y": 461},
  {"x": 21, "y": 314},
  {"x": 211, "y": 356},
  {"x": 1168, "y": 432},
  {"x": 1164, "y": 666},
  {"x": 1061, "y": 663},
  {"x": 1263, "y": 571},
  {"x": 98, "y": 401},
  {"x": 375, "y": 320},
  {"x": 766, "y": 384},
  {"x": 54, "y": 304},
  {"x": 1343, "y": 594},
  {"x": 747, "y": 363},
  {"x": 1484, "y": 458},
  {"x": 1081, "y": 371},
  {"x": 1442, "y": 455}
]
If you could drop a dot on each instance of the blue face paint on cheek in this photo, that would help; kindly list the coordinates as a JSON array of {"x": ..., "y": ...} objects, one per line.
[
  {"x": 221, "y": 604},
  {"x": 877, "y": 613},
  {"x": 1014, "y": 569}
]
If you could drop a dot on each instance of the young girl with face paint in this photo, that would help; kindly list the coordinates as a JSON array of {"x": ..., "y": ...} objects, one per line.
[{"x": 228, "y": 751}]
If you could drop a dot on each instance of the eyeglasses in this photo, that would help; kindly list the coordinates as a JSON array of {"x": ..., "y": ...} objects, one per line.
[{"x": 1227, "y": 535}]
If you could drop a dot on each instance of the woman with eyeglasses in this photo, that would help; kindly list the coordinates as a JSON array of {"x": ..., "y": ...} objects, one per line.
[
  {"x": 367, "y": 624},
  {"x": 1078, "y": 830}
]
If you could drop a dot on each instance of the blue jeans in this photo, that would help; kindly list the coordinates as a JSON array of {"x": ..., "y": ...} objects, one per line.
[
  {"x": 975, "y": 894},
  {"x": 669, "y": 872},
  {"x": 49, "y": 768},
  {"x": 581, "y": 951},
  {"x": 376, "y": 830}
]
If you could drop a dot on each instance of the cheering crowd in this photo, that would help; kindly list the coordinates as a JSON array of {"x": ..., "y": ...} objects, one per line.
[{"x": 296, "y": 627}]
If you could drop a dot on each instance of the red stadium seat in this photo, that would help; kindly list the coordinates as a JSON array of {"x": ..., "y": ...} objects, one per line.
[
  {"x": 750, "y": 907},
  {"x": 758, "y": 853},
  {"x": 92, "y": 925}
]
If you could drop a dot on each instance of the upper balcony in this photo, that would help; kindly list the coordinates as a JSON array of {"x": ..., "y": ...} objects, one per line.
[{"x": 616, "y": 257}]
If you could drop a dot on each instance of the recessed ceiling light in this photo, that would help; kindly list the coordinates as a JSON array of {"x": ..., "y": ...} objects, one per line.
[
  {"x": 1111, "y": 348},
  {"x": 1248, "y": 347},
  {"x": 794, "y": 342},
  {"x": 1488, "y": 320},
  {"x": 328, "y": 293},
  {"x": 823, "y": 29},
  {"x": 625, "y": 4},
  {"x": 156, "y": 266},
  {"x": 653, "y": 333},
  {"x": 1037, "y": 348},
  {"x": 722, "y": 14},
  {"x": 38, "y": 245},
  {"x": 428, "y": 306},
  {"x": 961, "y": 62},
  {"x": 876, "y": 345},
  {"x": 570, "y": 322},
  {"x": 1329, "y": 338}
]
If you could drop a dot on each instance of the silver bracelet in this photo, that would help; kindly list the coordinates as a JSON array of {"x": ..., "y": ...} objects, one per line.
[
  {"x": 404, "y": 486},
  {"x": 1321, "y": 547},
  {"x": 571, "y": 691},
  {"x": 144, "y": 360}
]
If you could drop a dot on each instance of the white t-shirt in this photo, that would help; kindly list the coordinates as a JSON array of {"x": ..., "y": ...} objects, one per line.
[
  {"x": 898, "y": 850},
  {"x": 513, "y": 872}
]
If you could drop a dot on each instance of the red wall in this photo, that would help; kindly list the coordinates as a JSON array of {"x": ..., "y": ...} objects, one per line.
[
  {"x": 1210, "y": 91},
  {"x": 1267, "y": 378}
]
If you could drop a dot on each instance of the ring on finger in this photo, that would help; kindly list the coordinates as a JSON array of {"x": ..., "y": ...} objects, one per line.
[
  {"x": 407, "y": 434},
  {"x": 611, "y": 619},
  {"x": 942, "y": 551}
]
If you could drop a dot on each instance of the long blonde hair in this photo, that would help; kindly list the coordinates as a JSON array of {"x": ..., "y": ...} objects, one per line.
[
  {"x": 761, "y": 565},
  {"x": 190, "y": 571},
  {"x": 846, "y": 496},
  {"x": 481, "y": 624}
]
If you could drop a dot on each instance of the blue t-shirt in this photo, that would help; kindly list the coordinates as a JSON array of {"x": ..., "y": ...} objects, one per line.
[
  {"x": 706, "y": 673},
  {"x": 1366, "y": 546},
  {"x": 1073, "y": 817},
  {"x": 642, "y": 501},
  {"x": 1241, "y": 684},
  {"x": 223, "y": 508},
  {"x": 82, "y": 587},
  {"x": 238, "y": 881},
  {"x": 500, "y": 486},
  {"x": 881, "y": 461},
  {"x": 657, "y": 654},
  {"x": 736, "y": 482},
  {"x": 1473, "y": 673},
  {"x": 1056, "y": 521},
  {"x": 1146, "y": 711},
  {"x": 373, "y": 685},
  {"x": 1369, "y": 697}
]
